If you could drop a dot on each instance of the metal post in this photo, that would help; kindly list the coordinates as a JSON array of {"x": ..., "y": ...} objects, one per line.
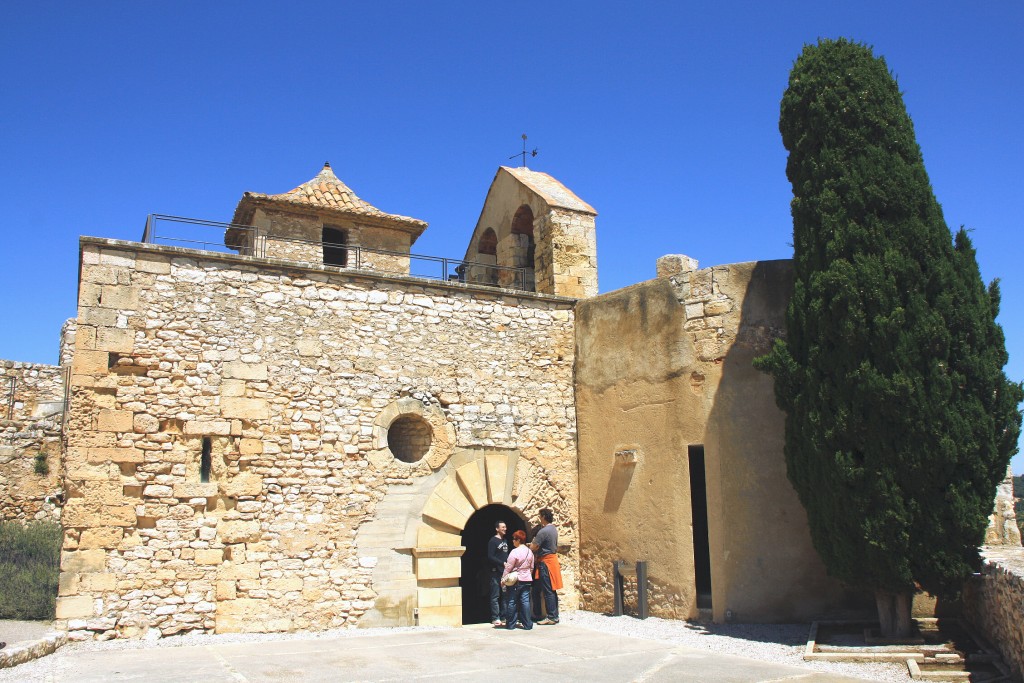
[
  {"x": 618, "y": 587},
  {"x": 10, "y": 400},
  {"x": 67, "y": 399},
  {"x": 641, "y": 588}
]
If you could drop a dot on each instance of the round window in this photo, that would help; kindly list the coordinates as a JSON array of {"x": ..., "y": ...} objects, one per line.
[{"x": 410, "y": 437}]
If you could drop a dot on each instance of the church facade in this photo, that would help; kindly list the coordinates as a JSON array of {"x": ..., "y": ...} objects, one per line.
[{"x": 305, "y": 432}]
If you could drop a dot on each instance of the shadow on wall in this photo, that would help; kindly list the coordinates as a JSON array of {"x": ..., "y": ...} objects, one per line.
[
  {"x": 618, "y": 484},
  {"x": 762, "y": 536}
]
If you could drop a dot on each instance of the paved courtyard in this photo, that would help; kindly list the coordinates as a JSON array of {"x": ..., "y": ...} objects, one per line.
[{"x": 561, "y": 653}]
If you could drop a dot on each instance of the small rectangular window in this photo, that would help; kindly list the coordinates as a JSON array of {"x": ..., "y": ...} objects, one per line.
[
  {"x": 205, "y": 461},
  {"x": 334, "y": 243}
]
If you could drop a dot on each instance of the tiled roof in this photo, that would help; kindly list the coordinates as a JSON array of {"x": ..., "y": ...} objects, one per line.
[
  {"x": 326, "y": 192},
  {"x": 554, "y": 192}
]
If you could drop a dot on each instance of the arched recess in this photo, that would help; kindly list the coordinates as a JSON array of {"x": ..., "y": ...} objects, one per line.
[
  {"x": 484, "y": 481},
  {"x": 521, "y": 246},
  {"x": 486, "y": 256},
  {"x": 488, "y": 243}
]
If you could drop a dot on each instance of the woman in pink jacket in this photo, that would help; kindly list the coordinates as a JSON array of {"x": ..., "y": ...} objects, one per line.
[{"x": 520, "y": 563}]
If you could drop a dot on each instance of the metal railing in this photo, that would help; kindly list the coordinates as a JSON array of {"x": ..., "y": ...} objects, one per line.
[
  {"x": 252, "y": 241},
  {"x": 195, "y": 239},
  {"x": 66, "y": 373},
  {"x": 12, "y": 383}
]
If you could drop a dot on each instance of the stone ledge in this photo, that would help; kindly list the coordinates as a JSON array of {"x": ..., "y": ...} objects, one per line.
[
  {"x": 269, "y": 262},
  {"x": 33, "y": 649}
]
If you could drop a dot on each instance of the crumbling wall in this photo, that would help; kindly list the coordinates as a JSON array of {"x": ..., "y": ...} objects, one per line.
[
  {"x": 226, "y": 441},
  {"x": 994, "y": 603},
  {"x": 1002, "y": 523},
  {"x": 31, "y": 409}
]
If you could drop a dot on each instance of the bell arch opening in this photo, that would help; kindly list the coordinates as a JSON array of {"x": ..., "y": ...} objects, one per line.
[
  {"x": 476, "y": 572},
  {"x": 524, "y": 248}
]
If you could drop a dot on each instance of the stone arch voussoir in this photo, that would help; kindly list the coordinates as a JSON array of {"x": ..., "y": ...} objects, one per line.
[{"x": 442, "y": 435}]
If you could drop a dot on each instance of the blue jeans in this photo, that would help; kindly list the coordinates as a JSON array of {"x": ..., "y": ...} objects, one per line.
[
  {"x": 497, "y": 604},
  {"x": 542, "y": 589},
  {"x": 518, "y": 598}
]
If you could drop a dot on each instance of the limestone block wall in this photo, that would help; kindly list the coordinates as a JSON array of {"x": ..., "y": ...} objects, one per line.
[
  {"x": 994, "y": 603},
  {"x": 31, "y": 410},
  {"x": 1002, "y": 523},
  {"x": 664, "y": 366},
  {"x": 228, "y": 461},
  {"x": 67, "y": 341},
  {"x": 298, "y": 237},
  {"x": 566, "y": 261}
]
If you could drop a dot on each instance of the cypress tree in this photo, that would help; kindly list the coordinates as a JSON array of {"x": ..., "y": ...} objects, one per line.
[{"x": 900, "y": 421}]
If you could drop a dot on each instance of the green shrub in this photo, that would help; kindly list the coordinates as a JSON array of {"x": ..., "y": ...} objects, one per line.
[
  {"x": 41, "y": 465},
  {"x": 29, "y": 567}
]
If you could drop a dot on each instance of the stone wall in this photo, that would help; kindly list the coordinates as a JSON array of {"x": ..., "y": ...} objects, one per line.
[
  {"x": 299, "y": 237},
  {"x": 67, "y": 341},
  {"x": 566, "y": 259},
  {"x": 31, "y": 410},
  {"x": 994, "y": 603},
  {"x": 278, "y": 384},
  {"x": 1002, "y": 523}
]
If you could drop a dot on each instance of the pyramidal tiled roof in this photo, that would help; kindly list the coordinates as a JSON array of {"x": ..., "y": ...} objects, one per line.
[{"x": 326, "y": 192}]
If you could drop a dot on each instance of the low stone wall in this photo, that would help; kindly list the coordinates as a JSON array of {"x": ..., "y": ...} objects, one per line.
[
  {"x": 31, "y": 409},
  {"x": 33, "y": 649},
  {"x": 994, "y": 603}
]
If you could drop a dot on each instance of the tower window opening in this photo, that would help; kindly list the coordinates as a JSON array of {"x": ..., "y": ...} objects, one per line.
[
  {"x": 335, "y": 242},
  {"x": 488, "y": 243}
]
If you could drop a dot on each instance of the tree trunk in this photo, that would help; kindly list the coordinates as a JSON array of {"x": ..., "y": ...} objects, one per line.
[{"x": 894, "y": 614}]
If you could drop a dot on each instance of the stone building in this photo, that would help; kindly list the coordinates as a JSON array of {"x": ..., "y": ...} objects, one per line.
[
  {"x": 31, "y": 413},
  {"x": 308, "y": 432},
  {"x": 303, "y": 435}
]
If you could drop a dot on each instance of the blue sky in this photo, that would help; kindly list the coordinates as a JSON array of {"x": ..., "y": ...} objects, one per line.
[{"x": 663, "y": 116}]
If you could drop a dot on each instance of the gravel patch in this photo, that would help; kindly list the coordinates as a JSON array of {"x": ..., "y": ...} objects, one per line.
[{"x": 779, "y": 643}]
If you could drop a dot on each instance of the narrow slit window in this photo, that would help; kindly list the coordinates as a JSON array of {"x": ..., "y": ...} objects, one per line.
[
  {"x": 699, "y": 511},
  {"x": 205, "y": 461}
]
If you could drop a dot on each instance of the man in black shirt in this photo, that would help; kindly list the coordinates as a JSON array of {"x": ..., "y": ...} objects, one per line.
[{"x": 497, "y": 554}]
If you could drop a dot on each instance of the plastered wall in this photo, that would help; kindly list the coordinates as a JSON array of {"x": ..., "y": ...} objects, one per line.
[{"x": 666, "y": 364}]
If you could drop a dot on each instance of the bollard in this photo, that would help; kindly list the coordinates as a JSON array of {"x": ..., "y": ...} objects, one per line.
[
  {"x": 641, "y": 588},
  {"x": 619, "y": 571},
  {"x": 618, "y": 586}
]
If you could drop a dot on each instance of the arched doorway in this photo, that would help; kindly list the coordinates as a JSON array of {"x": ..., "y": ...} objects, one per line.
[{"x": 475, "y": 570}]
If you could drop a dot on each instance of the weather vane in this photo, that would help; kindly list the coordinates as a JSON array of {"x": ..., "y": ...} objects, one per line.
[{"x": 524, "y": 152}]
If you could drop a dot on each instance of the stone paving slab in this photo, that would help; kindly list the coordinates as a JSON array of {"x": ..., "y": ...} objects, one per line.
[{"x": 562, "y": 652}]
